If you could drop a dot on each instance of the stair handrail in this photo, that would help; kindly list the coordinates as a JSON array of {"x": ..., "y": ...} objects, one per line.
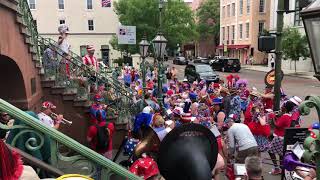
[
  {"x": 59, "y": 137},
  {"x": 77, "y": 61}
]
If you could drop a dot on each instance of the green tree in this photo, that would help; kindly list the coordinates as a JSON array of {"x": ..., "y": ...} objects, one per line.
[
  {"x": 208, "y": 16},
  {"x": 178, "y": 23},
  {"x": 294, "y": 46}
]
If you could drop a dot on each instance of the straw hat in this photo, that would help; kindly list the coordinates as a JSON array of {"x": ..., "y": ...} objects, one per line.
[
  {"x": 224, "y": 90},
  {"x": 256, "y": 93}
]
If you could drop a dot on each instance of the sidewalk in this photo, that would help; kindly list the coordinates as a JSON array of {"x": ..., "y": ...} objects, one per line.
[{"x": 307, "y": 75}]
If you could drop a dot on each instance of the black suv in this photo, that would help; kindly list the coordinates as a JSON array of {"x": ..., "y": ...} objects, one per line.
[
  {"x": 226, "y": 64},
  {"x": 197, "y": 72}
]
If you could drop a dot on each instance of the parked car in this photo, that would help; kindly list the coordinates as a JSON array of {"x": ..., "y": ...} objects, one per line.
[
  {"x": 180, "y": 60},
  {"x": 226, "y": 64},
  {"x": 201, "y": 60},
  {"x": 197, "y": 72}
]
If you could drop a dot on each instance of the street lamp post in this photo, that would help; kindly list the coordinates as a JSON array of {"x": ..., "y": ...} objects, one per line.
[
  {"x": 159, "y": 45},
  {"x": 144, "y": 45},
  {"x": 311, "y": 20}
]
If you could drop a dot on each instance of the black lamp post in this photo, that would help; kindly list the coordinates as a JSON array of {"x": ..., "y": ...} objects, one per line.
[
  {"x": 159, "y": 45},
  {"x": 311, "y": 21},
  {"x": 144, "y": 45}
]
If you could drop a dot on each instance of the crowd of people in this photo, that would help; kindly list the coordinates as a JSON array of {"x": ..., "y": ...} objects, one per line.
[{"x": 240, "y": 117}]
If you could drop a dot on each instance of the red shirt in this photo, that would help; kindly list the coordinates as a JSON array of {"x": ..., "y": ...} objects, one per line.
[
  {"x": 247, "y": 114},
  {"x": 281, "y": 124},
  {"x": 268, "y": 103},
  {"x": 92, "y": 133}
]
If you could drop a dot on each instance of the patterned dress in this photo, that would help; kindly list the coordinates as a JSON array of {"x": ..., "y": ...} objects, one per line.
[
  {"x": 235, "y": 107},
  {"x": 260, "y": 132},
  {"x": 204, "y": 115}
]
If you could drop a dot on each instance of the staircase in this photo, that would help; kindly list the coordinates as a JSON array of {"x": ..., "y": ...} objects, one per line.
[{"x": 71, "y": 89}]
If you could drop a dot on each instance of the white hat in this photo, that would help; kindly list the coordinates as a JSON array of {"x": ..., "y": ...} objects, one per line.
[
  {"x": 296, "y": 100},
  {"x": 185, "y": 80},
  {"x": 63, "y": 29},
  {"x": 147, "y": 109}
]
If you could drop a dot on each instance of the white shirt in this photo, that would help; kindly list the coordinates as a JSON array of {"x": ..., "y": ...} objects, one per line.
[
  {"x": 45, "y": 119},
  {"x": 64, "y": 46}
]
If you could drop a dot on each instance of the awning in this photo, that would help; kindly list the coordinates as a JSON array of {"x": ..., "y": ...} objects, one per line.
[{"x": 233, "y": 46}]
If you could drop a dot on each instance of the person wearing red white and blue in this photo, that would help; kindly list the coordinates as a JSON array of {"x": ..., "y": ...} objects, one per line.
[{"x": 97, "y": 106}]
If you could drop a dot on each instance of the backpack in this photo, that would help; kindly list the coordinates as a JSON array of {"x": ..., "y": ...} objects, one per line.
[{"x": 102, "y": 137}]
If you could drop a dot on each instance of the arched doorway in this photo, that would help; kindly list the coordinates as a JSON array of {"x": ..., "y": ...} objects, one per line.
[{"x": 12, "y": 87}]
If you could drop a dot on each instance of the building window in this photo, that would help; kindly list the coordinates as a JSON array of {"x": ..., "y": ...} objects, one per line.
[
  {"x": 62, "y": 21},
  {"x": 61, "y": 4},
  {"x": 261, "y": 27},
  {"x": 261, "y": 6},
  {"x": 223, "y": 34},
  {"x": 89, "y": 4},
  {"x": 90, "y": 25},
  {"x": 32, "y": 4},
  {"x": 228, "y": 10},
  {"x": 247, "y": 30},
  {"x": 83, "y": 50},
  {"x": 241, "y": 7},
  {"x": 228, "y": 32},
  {"x": 233, "y": 32},
  {"x": 248, "y": 6},
  {"x": 240, "y": 31},
  {"x": 233, "y": 9},
  {"x": 33, "y": 86},
  {"x": 223, "y": 11},
  {"x": 297, "y": 17}
]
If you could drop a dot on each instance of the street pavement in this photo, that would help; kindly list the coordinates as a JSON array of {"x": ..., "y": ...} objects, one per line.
[{"x": 291, "y": 85}]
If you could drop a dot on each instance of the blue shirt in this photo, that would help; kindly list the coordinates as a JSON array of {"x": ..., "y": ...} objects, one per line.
[
  {"x": 141, "y": 119},
  {"x": 127, "y": 78}
]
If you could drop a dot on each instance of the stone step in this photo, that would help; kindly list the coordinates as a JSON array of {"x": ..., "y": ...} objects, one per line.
[
  {"x": 38, "y": 65},
  {"x": 25, "y": 32},
  {"x": 81, "y": 102},
  {"x": 32, "y": 50},
  {"x": 41, "y": 72},
  {"x": 35, "y": 58},
  {"x": 47, "y": 83},
  {"x": 57, "y": 90},
  {"x": 69, "y": 94},
  {"x": 28, "y": 40},
  {"x": 20, "y": 20}
]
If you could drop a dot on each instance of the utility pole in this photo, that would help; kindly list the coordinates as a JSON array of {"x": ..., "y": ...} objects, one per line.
[{"x": 278, "y": 74}]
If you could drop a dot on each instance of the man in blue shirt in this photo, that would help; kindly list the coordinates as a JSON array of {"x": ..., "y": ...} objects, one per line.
[{"x": 142, "y": 119}]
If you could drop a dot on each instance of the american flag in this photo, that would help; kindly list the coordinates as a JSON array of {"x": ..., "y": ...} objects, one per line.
[{"x": 106, "y": 3}]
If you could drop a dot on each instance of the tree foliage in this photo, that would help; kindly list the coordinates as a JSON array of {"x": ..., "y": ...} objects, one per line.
[
  {"x": 208, "y": 16},
  {"x": 294, "y": 45},
  {"x": 178, "y": 23}
]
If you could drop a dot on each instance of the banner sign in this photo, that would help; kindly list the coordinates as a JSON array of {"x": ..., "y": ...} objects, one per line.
[{"x": 127, "y": 35}]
